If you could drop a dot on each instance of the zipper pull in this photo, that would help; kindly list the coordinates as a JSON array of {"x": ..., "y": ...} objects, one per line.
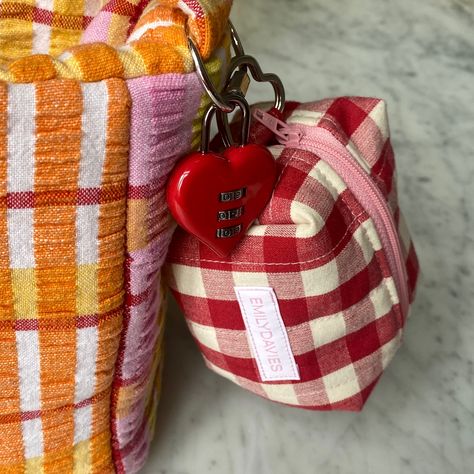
[{"x": 285, "y": 134}]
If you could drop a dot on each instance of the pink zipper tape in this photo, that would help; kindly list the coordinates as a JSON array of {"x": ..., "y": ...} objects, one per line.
[{"x": 325, "y": 145}]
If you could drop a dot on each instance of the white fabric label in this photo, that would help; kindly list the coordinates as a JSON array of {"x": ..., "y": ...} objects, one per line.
[{"x": 267, "y": 333}]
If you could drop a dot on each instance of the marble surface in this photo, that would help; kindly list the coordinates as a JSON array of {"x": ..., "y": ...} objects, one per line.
[{"x": 419, "y": 56}]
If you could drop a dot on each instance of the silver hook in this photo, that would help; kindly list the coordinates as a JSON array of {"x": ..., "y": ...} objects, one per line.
[
  {"x": 206, "y": 80},
  {"x": 241, "y": 61},
  {"x": 201, "y": 71},
  {"x": 258, "y": 75},
  {"x": 236, "y": 43}
]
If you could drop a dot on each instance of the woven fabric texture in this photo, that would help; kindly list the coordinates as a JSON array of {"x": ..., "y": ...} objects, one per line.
[
  {"x": 164, "y": 124},
  {"x": 319, "y": 249},
  {"x": 119, "y": 40},
  {"x": 84, "y": 161},
  {"x": 63, "y": 202},
  {"x": 43, "y": 27}
]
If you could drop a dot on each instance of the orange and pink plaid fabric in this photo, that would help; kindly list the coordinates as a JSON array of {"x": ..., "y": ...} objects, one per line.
[
  {"x": 64, "y": 153},
  {"x": 39, "y": 40},
  {"x": 97, "y": 102}
]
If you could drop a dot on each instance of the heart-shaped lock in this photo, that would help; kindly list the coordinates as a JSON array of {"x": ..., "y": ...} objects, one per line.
[{"x": 216, "y": 197}]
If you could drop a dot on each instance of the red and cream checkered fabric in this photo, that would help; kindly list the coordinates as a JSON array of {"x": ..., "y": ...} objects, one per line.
[{"x": 319, "y": 249}]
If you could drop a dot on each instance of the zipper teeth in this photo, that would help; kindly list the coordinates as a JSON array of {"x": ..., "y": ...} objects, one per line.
[
  {"x": 384, "y": 213},
  {"x": 321, "y": 141}
]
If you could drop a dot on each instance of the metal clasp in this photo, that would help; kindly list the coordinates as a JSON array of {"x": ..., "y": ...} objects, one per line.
[
  {"x": 236, "y": 84},
  {"x": 233, "y": 100}
]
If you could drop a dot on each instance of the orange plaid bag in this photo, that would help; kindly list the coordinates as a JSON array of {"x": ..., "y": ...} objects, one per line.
[{"x": 97, "y": 101}]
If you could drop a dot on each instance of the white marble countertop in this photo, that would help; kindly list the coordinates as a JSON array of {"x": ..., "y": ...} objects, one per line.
[{"x": 419, "y": 56}]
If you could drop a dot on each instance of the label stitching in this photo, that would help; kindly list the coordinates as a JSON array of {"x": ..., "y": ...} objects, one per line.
[{"x": 289, "y": 353}]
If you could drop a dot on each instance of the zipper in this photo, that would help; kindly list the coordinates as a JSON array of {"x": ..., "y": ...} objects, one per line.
[{"x": 327, "y": 147}]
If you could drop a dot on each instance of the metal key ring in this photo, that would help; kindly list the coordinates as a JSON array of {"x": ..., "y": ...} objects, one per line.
[
  {"x": 201, "y": 71},
  {"x": 236, "y": 43},
  {"x": 206, "y": 82},
  {"x": 258, "y": 75},
  {"x": 240, "y": 61}
]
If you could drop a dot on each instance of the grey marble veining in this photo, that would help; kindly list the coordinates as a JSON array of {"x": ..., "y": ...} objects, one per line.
[{"x": 419, "y": 56}]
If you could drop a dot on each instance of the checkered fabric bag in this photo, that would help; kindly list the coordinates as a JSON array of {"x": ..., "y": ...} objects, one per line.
[
  {"x": 310, "y": 307},
  {"x": 97, "y": 101}
]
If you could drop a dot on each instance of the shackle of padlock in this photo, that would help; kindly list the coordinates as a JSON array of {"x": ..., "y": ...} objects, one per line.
[
  {"x": 236, "y": 100},
  {"x": 237, "y": 84}
]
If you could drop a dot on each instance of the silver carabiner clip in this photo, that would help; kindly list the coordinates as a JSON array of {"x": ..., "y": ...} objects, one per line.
[
  {"x": 206, "y": 82},
  {"x": 237, "y": 79}
]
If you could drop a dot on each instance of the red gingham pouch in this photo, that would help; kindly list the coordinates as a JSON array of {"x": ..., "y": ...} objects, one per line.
[{"x": 330, "y": 259}]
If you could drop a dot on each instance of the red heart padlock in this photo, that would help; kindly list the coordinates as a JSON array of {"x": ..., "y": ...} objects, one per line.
[{"x": 216, "y": 197}]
